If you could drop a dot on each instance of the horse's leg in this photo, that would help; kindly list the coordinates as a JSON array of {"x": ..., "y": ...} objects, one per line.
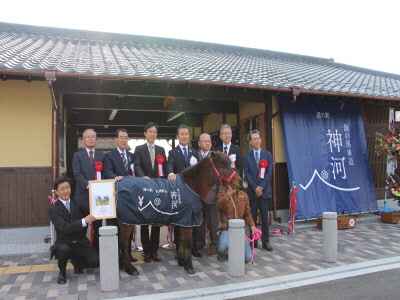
[
  {"x": 185, "y": 249},
  {"x": 123, "y": 242}
]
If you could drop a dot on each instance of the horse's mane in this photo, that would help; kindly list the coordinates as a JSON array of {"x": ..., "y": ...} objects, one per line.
[{"x": 201, "y": 177}]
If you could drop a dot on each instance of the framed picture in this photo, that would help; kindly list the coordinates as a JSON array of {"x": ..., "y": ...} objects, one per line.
[{"x": 101, "y": 199}]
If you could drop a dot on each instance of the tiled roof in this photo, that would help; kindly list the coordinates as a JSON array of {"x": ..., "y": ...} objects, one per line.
[{"x": 32, "y": 48}]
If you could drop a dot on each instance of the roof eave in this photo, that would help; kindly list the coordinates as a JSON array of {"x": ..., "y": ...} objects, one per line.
[{"x": 196, "y": 82}]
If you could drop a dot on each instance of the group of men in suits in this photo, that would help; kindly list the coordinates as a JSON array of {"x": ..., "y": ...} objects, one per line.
[{"x": 71, "y": 216}]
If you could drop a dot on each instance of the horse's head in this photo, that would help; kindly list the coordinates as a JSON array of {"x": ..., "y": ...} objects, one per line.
[{"x": 226, "y": 174}]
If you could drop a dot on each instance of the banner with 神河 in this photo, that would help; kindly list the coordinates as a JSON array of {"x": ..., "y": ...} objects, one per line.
[{"x": 327, "y": 156}]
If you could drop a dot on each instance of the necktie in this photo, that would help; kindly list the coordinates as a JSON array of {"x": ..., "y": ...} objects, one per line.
[
  {"x": 257, "y": 160},
  {"x": 124, "y": 161},
  {"x": 152, "y": 156},
  {"x": 91, "y": 157},
  {"x": 185, "y": 155},
  {"x": 226, "y": 150},
  {"x": 68, "y": 205}
]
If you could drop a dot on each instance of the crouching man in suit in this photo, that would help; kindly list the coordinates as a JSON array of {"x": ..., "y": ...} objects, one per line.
[{"x": 70, "y": 219}]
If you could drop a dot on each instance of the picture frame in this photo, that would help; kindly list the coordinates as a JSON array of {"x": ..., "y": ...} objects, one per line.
[{"x": 102, "y": 203}]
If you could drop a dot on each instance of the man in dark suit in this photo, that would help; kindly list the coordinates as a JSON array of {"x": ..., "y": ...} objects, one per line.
[
  {"x": 146, "y": 166},
  {"x": 210, "y": 211},
  {"x": 179, "y": 159},
  {"x": 70, "y": 218},
  {"x": 118, "y": 163},
  {"x": 83, "y": 166},
  {"x": 232, "y": 150},
  {"x": 259, "y": 187}
]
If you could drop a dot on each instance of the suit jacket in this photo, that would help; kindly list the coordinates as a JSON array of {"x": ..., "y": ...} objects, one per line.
[
  {"x": 176, "y": 161},
  {"x": 251, "y": 173},
  {"x": 142, "y": 161},
  {"x": 113, "y": 165},
  {"x": 212, "y": 196},
  {"x": 83, "y": 172},
  {"x": 233, "y": 149},
  {"x": 68, "y": 225}
]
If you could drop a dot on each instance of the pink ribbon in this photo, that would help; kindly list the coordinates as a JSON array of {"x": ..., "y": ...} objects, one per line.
[{"x": 256, "y": 237}]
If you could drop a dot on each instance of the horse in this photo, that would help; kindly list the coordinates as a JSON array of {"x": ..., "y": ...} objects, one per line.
[{"x": 199, "y": 178}]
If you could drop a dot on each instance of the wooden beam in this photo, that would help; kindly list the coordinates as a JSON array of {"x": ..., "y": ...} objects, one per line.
[
  {"x": 91, "y": 118},
  {"x": 132, "y": 103},
  {"x": 157, "y": 90}
]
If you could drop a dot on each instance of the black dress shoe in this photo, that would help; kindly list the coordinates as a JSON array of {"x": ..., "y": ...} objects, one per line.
[
  {"x": 132, "y": 259},
  {"x": 196, "y": 253},
  {"x": 155, "y": 257},
  {"x": 78, "y": 270},
  {"x": 267, "y": 247},
  {"x": 147, "y": 258},
  {"x": 61, "y": 279}
]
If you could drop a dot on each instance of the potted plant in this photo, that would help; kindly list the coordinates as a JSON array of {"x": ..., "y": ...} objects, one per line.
[{"x": 389, "y": 145}]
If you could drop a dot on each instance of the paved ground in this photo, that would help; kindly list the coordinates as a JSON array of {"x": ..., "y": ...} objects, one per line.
[{"x": 34, "y": 276}]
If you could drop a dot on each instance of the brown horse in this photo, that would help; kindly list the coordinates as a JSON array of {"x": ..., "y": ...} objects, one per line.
[{"x": 200, "y": 178}]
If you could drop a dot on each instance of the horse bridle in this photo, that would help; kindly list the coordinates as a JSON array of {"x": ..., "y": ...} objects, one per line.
[{"x": 221, "y": 180}]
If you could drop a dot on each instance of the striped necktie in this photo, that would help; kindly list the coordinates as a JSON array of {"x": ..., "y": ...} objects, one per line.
[
  {"x": 152, "y": 157},
  {"x": 91, "y": 157},
  {"x": 68, "y": 206},
  {"x": 185, "y": 155},
  {"x": 124, "y": 161},
  {"x": 257, "y": 160}
]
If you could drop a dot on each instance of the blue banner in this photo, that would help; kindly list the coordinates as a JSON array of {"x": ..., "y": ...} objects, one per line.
[{"x": 327, "y": 156}]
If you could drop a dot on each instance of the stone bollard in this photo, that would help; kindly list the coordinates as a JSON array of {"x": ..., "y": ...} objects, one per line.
[
  {"x": 329, "y": 236},
  {"x": 236, "y": 248},
  {"x": 109, "y": 268}
]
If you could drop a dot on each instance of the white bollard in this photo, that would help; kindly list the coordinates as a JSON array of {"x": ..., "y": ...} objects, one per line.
[
  {"x": 236, "y": 248},
  {"x": 109, "y": 268},
  {"x": 329, "y": 236}
]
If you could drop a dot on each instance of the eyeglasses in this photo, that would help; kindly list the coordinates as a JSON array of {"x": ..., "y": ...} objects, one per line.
[{"x": 151, "y": 131}]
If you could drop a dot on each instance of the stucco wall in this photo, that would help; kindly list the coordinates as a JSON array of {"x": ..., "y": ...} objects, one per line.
[{"x": 25, "y": 124}]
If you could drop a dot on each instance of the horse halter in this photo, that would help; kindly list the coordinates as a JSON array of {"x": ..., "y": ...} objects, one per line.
[{"x": 228, "y": 181}]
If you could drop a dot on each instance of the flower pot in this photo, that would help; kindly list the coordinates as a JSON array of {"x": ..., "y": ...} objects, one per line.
[
  {"x": 390, "y": 217},
  {"x": 342, "y": 223}
]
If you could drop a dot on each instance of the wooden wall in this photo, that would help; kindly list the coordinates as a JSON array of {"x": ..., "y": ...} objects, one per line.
[
  {"x": 376, "y": 119},
  {"x": 23, "y": 196}
]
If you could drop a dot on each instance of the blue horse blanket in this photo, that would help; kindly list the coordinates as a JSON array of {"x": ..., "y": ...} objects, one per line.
[{"x": 143, "y": 201}]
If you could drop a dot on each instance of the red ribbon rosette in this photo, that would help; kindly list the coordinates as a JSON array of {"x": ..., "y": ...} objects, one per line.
[
  {"x": 263, "y": 166},
  {"x": 98, "y": 166},
  {"x": 160, "y": 160}
]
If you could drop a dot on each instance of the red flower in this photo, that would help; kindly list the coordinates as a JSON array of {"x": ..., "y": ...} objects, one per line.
[
  {"x": 160, "y": 159},
  {"x": 98, "y": 166},
  {"x": 263, "y": 163}
]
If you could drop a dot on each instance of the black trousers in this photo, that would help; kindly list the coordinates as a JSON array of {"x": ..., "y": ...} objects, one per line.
[
  {"x": 96, "y": 226},
  {"x": 83, "y": 257},
  {"x": 261, "y": 204},
  {"x": 150, "y": 242},
  {"x": 177, "y": 239},
  {"x": 210, "y": 221}
]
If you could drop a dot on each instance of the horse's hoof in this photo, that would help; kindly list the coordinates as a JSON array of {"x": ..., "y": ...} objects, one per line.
[
  {"x": 132, "y": 272},
  {"x": 190, "y": 271}
]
